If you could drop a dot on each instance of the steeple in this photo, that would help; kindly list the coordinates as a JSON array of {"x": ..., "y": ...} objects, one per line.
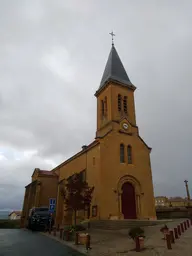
[
  {"x": 114, "y": 70},
  {"x": 115, "y": 96}
]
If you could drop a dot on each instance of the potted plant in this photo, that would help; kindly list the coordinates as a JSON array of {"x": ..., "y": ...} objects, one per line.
[
  {"x": 83, "y": 238},
  {"x": 69, "y": 231},
  {"x": 164, "y": 230},
  {"x": 137, "y": 234}
]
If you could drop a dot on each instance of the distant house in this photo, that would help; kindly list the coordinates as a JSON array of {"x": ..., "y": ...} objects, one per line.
[
  {"x": 162, "y": 201},
  {"x": 178, "y": 202},
  {"x": 15, "y": 215}
]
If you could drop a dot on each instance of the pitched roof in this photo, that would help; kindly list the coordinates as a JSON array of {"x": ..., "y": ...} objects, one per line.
[
  {"x": 44, "y": 172},
  {"x": 49, "y": 173},
  {"x": 114, "y": 70},
  {"x": 84, "y": 149},
  {"x": 18, "y": 213},
  {"x": 177, "y": 199}
]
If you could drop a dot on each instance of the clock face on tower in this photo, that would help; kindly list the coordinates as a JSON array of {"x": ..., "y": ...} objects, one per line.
[{"x": 125, "y": 126}]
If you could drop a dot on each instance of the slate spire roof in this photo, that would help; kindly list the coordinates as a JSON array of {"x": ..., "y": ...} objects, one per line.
[{"x": 114, "y": 70}]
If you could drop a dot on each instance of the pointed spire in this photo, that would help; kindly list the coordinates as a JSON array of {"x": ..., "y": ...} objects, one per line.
[{"x": 114, "y": 70}]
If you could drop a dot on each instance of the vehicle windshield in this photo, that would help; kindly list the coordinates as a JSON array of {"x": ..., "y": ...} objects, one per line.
[{"x": 41, "y": 209}]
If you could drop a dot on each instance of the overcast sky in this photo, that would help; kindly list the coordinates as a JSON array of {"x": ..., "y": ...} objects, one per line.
[{"x": 52, "y": 56}]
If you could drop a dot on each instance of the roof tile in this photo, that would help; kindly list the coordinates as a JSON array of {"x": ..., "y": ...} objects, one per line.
[{"x": 114, "y": 70}]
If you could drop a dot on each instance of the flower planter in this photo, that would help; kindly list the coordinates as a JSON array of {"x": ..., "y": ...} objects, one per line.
[
  {"x": 71, "y": 236},
  {"x": 137, "y": 234},
  {"x": 141, "y": 243},
  {"x": 165, "y": 232},
  {"x": 82, "y": 238},
  {"x": 68, "y": 236}
]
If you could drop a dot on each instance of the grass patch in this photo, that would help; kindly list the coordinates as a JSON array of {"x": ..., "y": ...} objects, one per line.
[{"x": 9, "y": 224}]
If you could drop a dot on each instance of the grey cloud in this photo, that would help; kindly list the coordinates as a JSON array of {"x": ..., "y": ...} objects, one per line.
[
  {"x": 14, "y": 176},
  {"x": 52, "y": 56},
  {"x": 11, "y": 196}
]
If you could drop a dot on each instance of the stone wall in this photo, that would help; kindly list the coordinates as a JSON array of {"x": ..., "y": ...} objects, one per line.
[{"x": 173, "y": 213}]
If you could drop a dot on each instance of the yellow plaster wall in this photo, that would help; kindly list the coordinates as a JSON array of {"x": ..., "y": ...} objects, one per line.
[
  {"x": 106, "y": 93},
  {"x": 35, "y": 175},
  {"x": 112, "y": 170},
  {"x": 89, "y": 161},
  {"x": 124, "y": 91},
  {"x": 48, "y": 189}
]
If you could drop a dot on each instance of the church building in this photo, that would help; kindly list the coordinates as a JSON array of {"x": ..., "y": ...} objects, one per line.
[{"x": 117, "y": 162}]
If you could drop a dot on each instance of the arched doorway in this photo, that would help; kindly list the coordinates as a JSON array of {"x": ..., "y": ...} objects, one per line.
[{"x": 128, "y": 201}]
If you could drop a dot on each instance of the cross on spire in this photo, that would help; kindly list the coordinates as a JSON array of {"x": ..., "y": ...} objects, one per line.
[{"x": 112, "y": 35}]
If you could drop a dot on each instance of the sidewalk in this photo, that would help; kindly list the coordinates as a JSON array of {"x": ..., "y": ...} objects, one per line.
[{"x": 113, "y": 243}]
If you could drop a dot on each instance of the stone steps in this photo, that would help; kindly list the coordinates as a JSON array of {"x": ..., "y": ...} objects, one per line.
[{"x": 124, "y": 224}]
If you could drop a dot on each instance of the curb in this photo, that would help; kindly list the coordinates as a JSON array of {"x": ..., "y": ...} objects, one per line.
[{"x": 72, "y": 246}]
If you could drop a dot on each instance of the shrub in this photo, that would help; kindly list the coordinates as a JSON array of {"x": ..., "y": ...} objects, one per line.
[
  {"x": 79, "y": 228},
  {"x": 67, "y": 228},
  {"x": 74, "y": 228},
  {"x": 9, "y": 224},
  {"x": 135, "y": 232}
]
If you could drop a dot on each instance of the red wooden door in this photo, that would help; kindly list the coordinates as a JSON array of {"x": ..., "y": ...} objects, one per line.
[{"x": 128, "y": 201}]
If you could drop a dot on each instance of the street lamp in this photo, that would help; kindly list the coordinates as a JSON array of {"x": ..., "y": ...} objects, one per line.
[{"x": 187, "y": 190}]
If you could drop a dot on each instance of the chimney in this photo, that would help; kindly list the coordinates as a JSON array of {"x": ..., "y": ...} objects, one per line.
[{"x": 84, "y": 147}]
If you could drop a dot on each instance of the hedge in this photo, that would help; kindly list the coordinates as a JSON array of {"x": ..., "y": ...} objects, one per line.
[{"x": 10, "y": 224}]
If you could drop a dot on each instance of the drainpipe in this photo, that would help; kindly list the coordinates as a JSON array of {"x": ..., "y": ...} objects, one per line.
[{"x": 84, "y": 147}]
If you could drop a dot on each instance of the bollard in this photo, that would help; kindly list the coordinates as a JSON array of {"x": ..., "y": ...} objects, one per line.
[
  {"x": 137, "y": 245},
  {"x": 168, "y": 240},
  {"x": 179, "y": 230},
  {"x": 67, "y": 235},
  {"x": 57, "y": 227},
  {"x": 176, "y": 233},
  {"x": 54, "y": 231},
  {"x": 61, "y": 233},
  {"x": 188, "y": 224},
  {"x": 47, "y": 228},
  {"x": 88, "y": 242},
  {"x": 76, "y": 238},
  {"x": 182, "y": 228},
  {"x": 172, "y": 237},
  {"x": 185, "y": 226}
]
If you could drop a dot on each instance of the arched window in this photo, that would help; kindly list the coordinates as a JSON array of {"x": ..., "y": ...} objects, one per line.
[
  {"x": 105, "y": 106},
  {"x": 102, "y": 108},
  {"x": 125, "y": 104},
  {"x": 122, "y": 154},
  {"x": 129, "y": 154},
  {"x": 119, "y": 102}
]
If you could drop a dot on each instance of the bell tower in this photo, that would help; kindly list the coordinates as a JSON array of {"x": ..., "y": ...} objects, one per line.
[{"x": 115, "y": 96}]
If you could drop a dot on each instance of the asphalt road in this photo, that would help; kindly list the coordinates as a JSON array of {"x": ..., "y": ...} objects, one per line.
[{"x": 16, "y": 242}]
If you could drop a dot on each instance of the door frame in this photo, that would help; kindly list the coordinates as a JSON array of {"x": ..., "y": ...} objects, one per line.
[
  {"x": 138, "y": 192},
  {"x": 135, "y": 200}
]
